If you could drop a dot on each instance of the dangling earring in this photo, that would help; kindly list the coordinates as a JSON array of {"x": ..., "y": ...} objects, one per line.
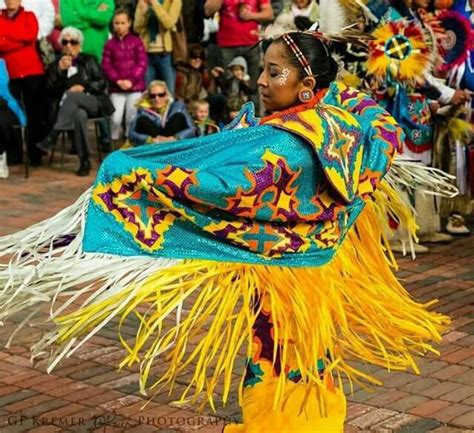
[{"x": 305, "y": 95}]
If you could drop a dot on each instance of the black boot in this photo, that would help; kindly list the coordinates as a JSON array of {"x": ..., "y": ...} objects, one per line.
[
  {"x": 48, "y": 142},
  {"x": 84, "y": 167}
]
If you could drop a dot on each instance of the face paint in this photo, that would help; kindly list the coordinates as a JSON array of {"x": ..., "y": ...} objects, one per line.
[{"x": 283, "y": 78}]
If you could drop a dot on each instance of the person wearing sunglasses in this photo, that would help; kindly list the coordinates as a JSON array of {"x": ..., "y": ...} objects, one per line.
[
  {"x": 192, "y": 78},
  {"x": 160, "y": 118},
  {"x": 78, "y": 88}
]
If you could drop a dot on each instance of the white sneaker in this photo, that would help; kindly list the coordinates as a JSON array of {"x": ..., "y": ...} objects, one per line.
[
  {"x": 3, "y": 166},
  {"x": 437, "y": 237},
  {"x": 456, "y": 225}
]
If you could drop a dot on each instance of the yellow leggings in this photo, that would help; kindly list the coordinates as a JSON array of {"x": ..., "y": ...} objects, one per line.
[
  {"x": 259, "y": 417},
  {"x": 259, "y": 390}
]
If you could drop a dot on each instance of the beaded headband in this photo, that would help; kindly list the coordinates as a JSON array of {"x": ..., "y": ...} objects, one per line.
[{"x": 297, "y": 52}]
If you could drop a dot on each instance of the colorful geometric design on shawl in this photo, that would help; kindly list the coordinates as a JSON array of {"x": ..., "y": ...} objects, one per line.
[
  {"x": 399, "y": 52},
  {"x": 260, "y": 195},
  {"x": 277, "y": 179},
  {"x": 176, "y": 181},
  {"x": 135, "y": 203},
  {"x": 385, "y": 130},
  {"x": 335, "y": 136},
  {"x": 275, "y": 183}
]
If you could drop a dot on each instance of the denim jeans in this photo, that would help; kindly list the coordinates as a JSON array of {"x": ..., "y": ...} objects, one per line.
[{"x": 160, "y": 67}]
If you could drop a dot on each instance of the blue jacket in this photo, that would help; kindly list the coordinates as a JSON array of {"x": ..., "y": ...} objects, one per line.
[
  {"x": 5, "y": 94},
  {"x": 145, "y": 110}
]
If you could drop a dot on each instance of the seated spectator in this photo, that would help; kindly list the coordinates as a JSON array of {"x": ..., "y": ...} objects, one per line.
[
  {"x": 79, "y": 87},
  {"x": 124, "y": 64},
  {"x": 237, "y": 83},
  {"x": 192, "y": 78},
  {"x": 10, "y": 115},
  {"x": 204, "y": 124},
  {"x": 159, "y": 118}
]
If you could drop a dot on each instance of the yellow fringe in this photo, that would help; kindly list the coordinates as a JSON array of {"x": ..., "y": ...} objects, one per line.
[{"x": 350, "y": 309}]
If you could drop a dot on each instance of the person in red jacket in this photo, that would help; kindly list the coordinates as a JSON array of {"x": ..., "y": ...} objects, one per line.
[{"x": 18, "y": 35}]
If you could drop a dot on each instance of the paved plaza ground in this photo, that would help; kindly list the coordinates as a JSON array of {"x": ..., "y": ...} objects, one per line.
[{"x": 86, "y": 393}]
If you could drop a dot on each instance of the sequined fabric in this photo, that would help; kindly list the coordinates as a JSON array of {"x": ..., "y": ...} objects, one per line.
[{"x": 282, "y": 193}]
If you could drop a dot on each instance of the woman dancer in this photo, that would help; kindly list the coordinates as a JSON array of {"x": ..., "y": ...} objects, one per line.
[{"x": 263, "y": 236}]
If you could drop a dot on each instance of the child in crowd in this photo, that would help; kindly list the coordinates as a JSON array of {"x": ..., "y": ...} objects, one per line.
[
  {"x": 204, "y": 125},
  {"x": 124, "y": 64},
  {"x": 234, "y": 104},
  {"x": 238, "y": 81}
]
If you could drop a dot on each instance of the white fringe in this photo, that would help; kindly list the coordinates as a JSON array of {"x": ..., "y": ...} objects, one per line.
[
  {"x": 408, "y": 174},
  {"x": 41, "y": 274}
]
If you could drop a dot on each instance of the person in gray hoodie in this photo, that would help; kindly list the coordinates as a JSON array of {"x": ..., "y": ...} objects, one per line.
[{"x": 237, "y": 83}]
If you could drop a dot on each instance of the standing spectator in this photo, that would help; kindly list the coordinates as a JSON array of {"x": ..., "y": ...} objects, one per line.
[
  {"x": 159, "y": 118},
  {"x": 44, "y": 11},
  {"x": 124, "y": 64},
  {"x": 92, "y": 17},
  {"x": 192, "y": 79},
  {"x": 154, "y": 20},
  {"x": 237, "y": 83},
  {"x": 79, "y": 86},
  {"x": 193, "y": 19},
  {"x": 129, "y": 5},
  {"x": 238, "y": 26},
  {"x": 10, "y": 115},
  {"x": 54, "y": 36},
  {"x": 18, "y": 47}
]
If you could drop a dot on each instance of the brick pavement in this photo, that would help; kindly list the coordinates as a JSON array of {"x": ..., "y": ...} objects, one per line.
[{"x": 86, "y": 393}]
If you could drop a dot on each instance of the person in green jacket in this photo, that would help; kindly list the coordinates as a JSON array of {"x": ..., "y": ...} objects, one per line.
[{"x": 92, "y": 17}]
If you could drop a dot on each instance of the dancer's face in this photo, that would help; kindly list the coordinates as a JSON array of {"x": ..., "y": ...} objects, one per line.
[{"x": 280, "y": 81}]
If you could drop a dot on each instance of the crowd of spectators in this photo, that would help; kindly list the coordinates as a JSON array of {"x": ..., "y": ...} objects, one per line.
[
  {"x": 125, "y": 62},
  {"x": 152, "y": 70}
]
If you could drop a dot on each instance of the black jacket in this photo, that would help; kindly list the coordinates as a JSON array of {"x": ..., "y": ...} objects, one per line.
[{"x": 89, "y": 74}]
